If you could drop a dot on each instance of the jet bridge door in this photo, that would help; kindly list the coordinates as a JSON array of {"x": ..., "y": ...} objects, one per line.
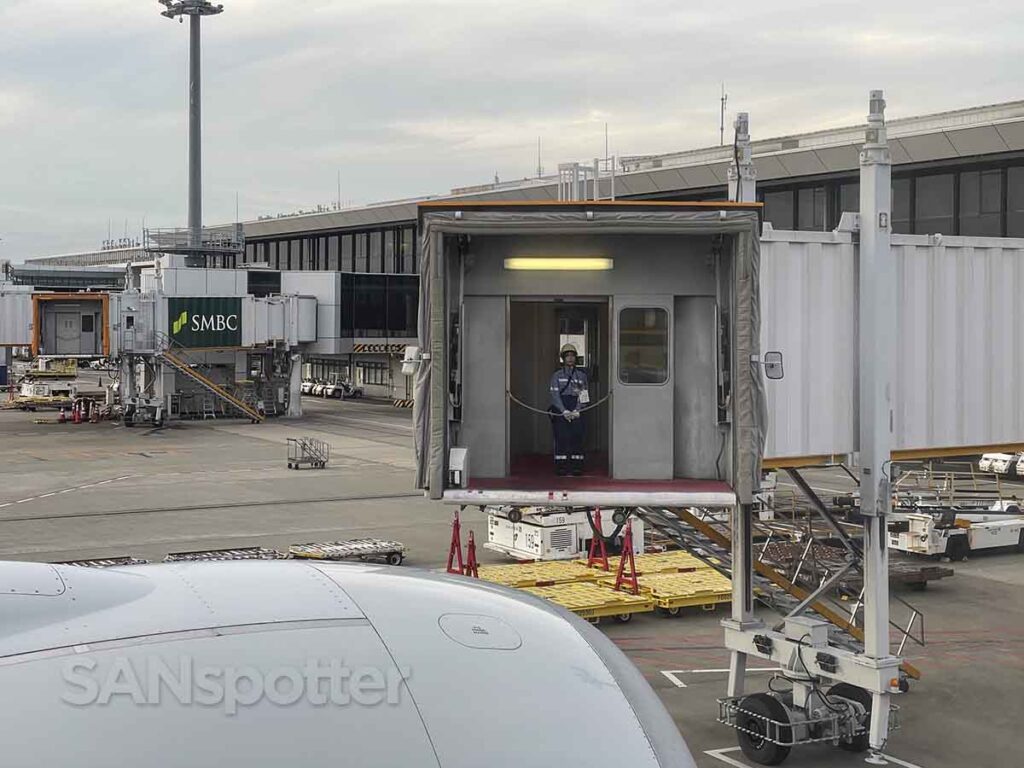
[
  {"x": 642, "y": 387},
  {"x": 69, "y": 332}
]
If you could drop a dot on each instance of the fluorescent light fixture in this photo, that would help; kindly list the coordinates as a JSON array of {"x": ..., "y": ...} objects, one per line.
[{"x": 559, "y": 264}]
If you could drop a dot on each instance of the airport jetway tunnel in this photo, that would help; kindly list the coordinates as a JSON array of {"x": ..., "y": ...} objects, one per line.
[{"x": 648, "y": 297}]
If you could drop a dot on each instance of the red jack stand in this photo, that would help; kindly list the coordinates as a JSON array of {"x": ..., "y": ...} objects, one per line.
[
  {"x": 597, "y": 543},
  {"x": 622, "y": 577},
  {"x": 455, "y": 551},
  {"x": 471, "y": 563}
]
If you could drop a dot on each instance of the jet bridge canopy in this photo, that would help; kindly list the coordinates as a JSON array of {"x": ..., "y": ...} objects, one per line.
[{"x": 664, "y": 299}]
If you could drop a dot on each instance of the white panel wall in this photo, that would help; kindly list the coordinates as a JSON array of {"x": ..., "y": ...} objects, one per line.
[
  {"x": 15, "y": 316},
  {"x": 961, "y": 357},
  {"x": 307, "y": 331},
  {"x": 808, "y": 315},
  {"x": 326, "y": 288},
  {"x": 960, "y": 351}
]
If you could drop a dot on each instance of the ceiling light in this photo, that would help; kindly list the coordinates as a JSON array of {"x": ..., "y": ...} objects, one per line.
[{"x": 558, "y": 264}]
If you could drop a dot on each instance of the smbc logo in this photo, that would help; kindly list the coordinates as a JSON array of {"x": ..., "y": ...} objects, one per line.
[
  {"x": 180, "y": 323},
  {"x": 200, "y": 323}
]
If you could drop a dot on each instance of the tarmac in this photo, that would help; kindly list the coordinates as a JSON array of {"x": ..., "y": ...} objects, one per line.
[{"x": 102, "y": 490}]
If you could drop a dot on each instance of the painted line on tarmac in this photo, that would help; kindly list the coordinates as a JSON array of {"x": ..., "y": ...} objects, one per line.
[
  {"x": 211, "y": 505},
  {"x": 673, "y": 674},
  {"x": 721, "y": 756},
  {"x": 718, "y": 754},
  {"x": 66, "y": 490}
]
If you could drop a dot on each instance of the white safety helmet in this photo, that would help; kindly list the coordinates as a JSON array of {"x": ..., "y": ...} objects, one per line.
[{"x": 566, "y": 349}]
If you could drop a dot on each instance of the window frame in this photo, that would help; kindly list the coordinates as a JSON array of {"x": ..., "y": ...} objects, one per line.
[{"x": 618, "y": 346}]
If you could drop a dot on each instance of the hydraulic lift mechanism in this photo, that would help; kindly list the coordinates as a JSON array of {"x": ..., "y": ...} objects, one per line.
[{"x": 827, "y": 692}]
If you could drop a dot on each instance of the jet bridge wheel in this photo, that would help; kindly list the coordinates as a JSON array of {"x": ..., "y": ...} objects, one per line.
[
  {"x": 859, "y": 743},
  {"x": 957, "y": 548},
  {"x": 753, "y": 729}
]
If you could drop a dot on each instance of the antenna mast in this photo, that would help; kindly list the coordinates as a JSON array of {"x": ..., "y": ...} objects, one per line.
[{"x": 721, "y": 117}]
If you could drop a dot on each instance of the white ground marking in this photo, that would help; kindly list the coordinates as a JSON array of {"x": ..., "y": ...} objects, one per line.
[
  {"x": 720, "y": 755},
  {"x": 66, "y": 490},
  {"x": 671, "y": 675}
]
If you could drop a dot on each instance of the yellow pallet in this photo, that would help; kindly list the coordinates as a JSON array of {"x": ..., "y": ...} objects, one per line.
[
  {"x": 593, "y": 601},
  {"x": 705, "y": 588},
  {"x": 661, "y": 562},
  {"x": 539, "y": 574}
]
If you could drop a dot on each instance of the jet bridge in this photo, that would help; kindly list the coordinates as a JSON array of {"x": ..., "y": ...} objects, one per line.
[{"x": 661, "y": 299}]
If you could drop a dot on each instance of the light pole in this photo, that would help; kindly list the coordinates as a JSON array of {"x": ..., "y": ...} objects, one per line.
[{"x": 195, "y": 9}]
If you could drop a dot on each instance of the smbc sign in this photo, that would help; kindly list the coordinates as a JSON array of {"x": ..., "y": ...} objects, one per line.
[{"x": 205, "y": 322}]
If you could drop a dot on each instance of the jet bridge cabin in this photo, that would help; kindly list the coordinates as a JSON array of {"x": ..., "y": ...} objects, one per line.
[{"x": 660, "y": 302}]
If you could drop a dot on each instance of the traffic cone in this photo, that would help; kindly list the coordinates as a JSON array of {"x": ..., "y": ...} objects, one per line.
[
  {"x": 76, "y": 417},
  {"x": 472, "y": 568},
  {"x": 597, "y": 543},
  {"x": 62, "y": 417},
  {"x": 624, "y": 577},
  {"x": 455, "y": 550}
]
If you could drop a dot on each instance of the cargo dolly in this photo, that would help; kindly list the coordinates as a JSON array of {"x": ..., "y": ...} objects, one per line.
[
  {"x": 308, "y": 452},
  {"x": 381, "y": 550}
]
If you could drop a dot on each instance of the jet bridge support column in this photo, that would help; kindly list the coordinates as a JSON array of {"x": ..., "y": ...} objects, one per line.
[
  {"x": 742, "y": 618},
  {"x": 295, "y": 384},
  {"x": 742, "y": 188},
  {"x": 741, "y": 172},
  {"x": 877, "y": 321}
]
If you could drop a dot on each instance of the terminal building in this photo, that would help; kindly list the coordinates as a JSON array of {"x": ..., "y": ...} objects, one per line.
[{"x": 954, "y": 173}]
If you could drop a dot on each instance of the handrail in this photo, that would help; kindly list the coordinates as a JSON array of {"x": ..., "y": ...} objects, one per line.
[
  {"x": 590, "y": 407},
  {"x": 178, "y": 356}
]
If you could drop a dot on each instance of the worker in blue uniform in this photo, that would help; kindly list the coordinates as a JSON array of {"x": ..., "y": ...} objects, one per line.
[{"x": 569, "y": 398}]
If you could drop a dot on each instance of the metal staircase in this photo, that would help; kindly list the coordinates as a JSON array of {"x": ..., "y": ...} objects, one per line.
[
  {"x": 707, "y": 538},
  {"x": 177, "y": 357}
]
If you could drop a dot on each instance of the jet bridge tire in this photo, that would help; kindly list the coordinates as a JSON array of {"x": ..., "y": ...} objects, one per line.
[
  {"x": 757, "y": 748},
  {"x": 619, "y": 517},
  {"x": 957, "y": 548},
  {"x": 858, "y": 743}
]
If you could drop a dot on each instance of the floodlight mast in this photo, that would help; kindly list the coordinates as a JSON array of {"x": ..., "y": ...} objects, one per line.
[{"x": 195, "y": 9}]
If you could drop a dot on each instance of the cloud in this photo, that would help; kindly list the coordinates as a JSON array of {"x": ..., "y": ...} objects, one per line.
[{"x": 408, "y": 97}]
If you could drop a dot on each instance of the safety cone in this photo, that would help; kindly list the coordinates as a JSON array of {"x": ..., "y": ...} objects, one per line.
[
  {"x": 455, "y": 550},
  {"x": 76, "y": 417},
  {"x": 62, "y": 417},
  {"x": 472, "y": 567},
  {"x": 597, "y": 543},
  {"x": 624, "y": 577}
]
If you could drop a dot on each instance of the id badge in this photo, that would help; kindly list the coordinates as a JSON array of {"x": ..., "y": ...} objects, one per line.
[{"x": 584, "y": 397}]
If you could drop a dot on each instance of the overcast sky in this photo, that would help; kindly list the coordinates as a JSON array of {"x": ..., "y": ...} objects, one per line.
[{"x": 411, "y": 97}]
